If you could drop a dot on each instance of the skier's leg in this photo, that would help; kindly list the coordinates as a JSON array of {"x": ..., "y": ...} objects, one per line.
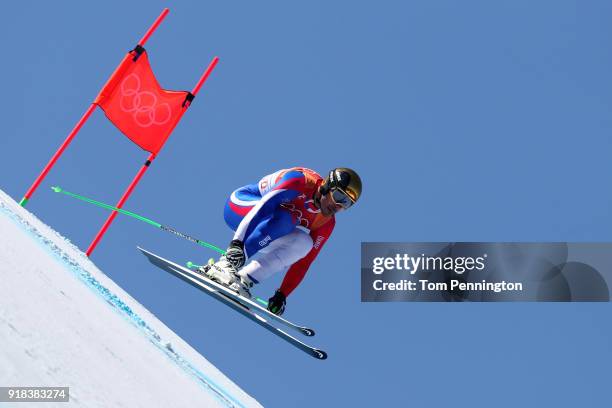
[
  {"x": 266, "y": 228},
  {"x": 268, "y": 223},
  {"x": 280, "y": 254},
  {"x": 237, "y": 206},
  {"x": 239, "y": 203}
]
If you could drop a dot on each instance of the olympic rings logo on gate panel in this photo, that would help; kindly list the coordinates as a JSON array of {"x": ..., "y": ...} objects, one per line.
[{"x": 142, "y": 104}]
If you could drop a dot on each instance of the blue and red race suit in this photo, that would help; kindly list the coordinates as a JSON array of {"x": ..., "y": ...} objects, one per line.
[{"x": 274, "y": 207}]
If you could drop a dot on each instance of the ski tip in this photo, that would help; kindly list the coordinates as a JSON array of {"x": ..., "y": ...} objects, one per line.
[
  {"x": 319, "y": 354},
  {"x": 307, "y": 331},
  {"x": 57, "y": 189},
  {"x": 144, "y": 251}
]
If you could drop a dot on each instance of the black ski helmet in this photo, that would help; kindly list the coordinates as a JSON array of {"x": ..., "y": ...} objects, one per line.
[{"x": 344, "y": 179}]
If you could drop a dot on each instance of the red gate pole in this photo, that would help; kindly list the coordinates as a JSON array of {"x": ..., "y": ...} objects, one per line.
[
  {"x": 144, "y": 168},
  {"x": 82, "y": 121},
  {"x": 122, "y": 201},
  {"x": 205, "y": 75},
  {"x": 153, "y": 27},
  {"x": 57, "y": 154}
]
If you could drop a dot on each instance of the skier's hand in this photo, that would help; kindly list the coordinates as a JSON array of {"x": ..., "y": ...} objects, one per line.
[
  {"x": 276, "y": 304},
  {"x": 235, "y": 254}
]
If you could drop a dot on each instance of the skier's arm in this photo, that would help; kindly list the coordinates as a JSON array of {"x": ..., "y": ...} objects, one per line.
[{"x": 297, "y": 271}]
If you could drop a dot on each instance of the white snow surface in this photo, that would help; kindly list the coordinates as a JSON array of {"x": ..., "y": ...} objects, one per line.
[{"x": 64, "y": 323}]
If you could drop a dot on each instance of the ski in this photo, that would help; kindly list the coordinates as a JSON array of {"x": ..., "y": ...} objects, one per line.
[
  {"x": 229, "y": 298},
  {"x": 247, "y": 302}
]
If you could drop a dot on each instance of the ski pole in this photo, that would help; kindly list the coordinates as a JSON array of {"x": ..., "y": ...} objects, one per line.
[
  {"x": 263, "y": 302},
  {"x": 139, "y": 217}
]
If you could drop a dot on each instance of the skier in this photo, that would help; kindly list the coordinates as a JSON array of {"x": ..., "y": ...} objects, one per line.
[{"x": 285, "y": 219}]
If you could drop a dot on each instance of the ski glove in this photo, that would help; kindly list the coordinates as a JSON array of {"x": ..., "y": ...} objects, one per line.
[
  {"x": 235, "y": 254},
  {"x": 276, "y": 304}
]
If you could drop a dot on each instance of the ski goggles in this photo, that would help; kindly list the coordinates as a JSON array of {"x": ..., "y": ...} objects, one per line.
[{"x": 341, "y": 198}]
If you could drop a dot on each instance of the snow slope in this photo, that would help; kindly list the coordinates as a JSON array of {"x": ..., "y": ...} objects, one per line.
[{"x": 64, "y": 323}]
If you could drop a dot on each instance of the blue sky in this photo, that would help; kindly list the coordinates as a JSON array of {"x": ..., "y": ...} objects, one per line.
[{"x": 474, "y": 121}]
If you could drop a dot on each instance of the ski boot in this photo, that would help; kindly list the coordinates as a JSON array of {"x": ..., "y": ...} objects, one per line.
[
  {"x": 224, "y": 273},
  {"x": 241, "y": 285}
]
